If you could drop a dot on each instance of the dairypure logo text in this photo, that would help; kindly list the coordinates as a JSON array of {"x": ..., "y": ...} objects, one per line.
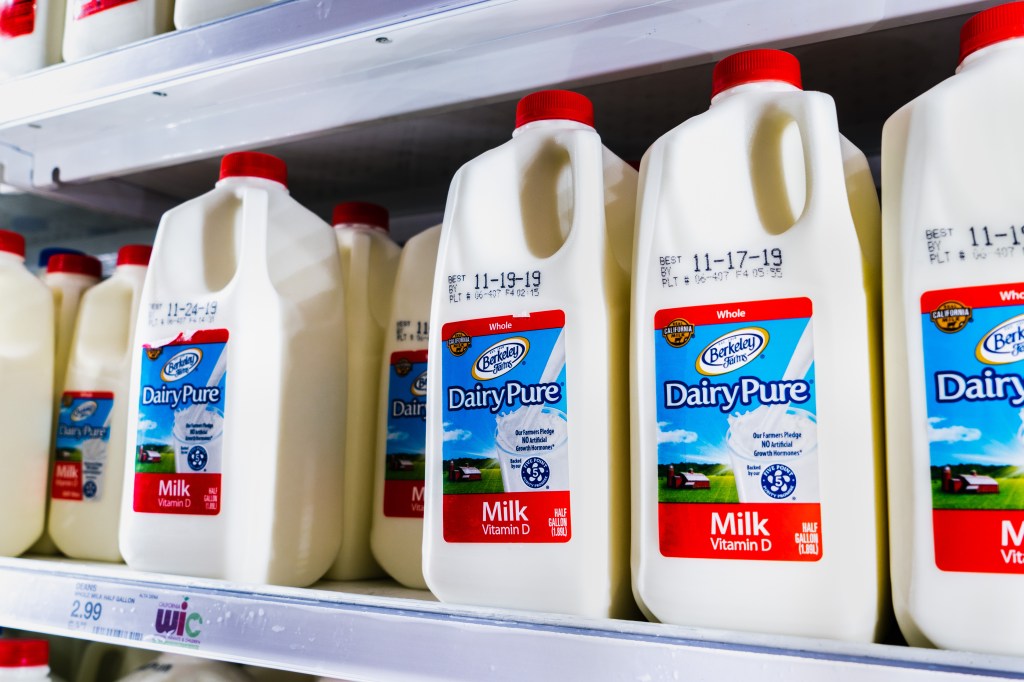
[
  {"x": 732, "y": 351},
  {"x": 1003, "y": 344},
  {"x": 500, "y": 358},
  {"x": 181, "y": 365},
  {"x": 84, "y": 411}
]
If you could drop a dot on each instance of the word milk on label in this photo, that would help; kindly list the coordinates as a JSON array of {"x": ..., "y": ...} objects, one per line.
[
  {"x": 505, "y": 453},
  {"x": 973, "y": 341},
  {"x": 83, "y": 434},
  {"x": 737, "y": 432},
  {"x": 406, "y": 434},
  {"x": 181, "y": 421}
]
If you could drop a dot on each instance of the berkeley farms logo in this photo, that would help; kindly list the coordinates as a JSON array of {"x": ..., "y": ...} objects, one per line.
[
  {"x": 1003, "y": 344},
  {"x": 419, "y": 384},
  {"x": 500, "y": 358},
  {"x": 182, "y": 364},
  {"x": 731, "y": 351},
  {"x": 84, "y": 411},
  {"x": 176, "y": 622}
]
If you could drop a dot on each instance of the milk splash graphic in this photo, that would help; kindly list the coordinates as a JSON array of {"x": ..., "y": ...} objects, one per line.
[{"x": 197, "y": 431}]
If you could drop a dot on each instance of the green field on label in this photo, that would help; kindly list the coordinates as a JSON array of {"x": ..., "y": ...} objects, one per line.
[
  {"x": 155, "y": 459},
  {"x": 490, "y": 482},
  {"x": 722, "y": 490}
]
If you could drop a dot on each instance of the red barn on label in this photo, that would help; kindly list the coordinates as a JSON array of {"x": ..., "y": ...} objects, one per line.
[
  {"x": 463, "y": 474},
  {"x": 968, "y": 483},
  {"x": 687, "y": 480}
]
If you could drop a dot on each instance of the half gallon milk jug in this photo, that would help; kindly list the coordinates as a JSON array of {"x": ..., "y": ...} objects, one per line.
[
  {"x": 368, "y": 262},
  {"x": 101, "y": 662},
  {"x": 954, "y": 306},
  {"x": 397, "y": 532},
  {"x": 527, "y": 447},
  {"x": 26, "y": 397},
  {"x": 93, "y": 26},
  {"x": 756, "y": 405},
  {"x": 30, "y": 35},
  {"x": 25, "y": 659},
  {"x": 188, "y": 13},
  {"x": 233, "y": 462},
  {"x": 178, "y": 668},
  {"x": 91, "y": 429}
]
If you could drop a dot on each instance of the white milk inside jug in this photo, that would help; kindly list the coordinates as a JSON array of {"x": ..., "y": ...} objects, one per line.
[
  {"x": 397, "y": 532},
  {"x": 527, "y": 441},
  {"x": 25, "y": 659},
  {"x": 101, "y": 662},
  {"x": 88, "y": 474},
  {"x": 952, "y": 210},
  {"x": 233, "y": 468},
  {"x": 178, "y": 668},
  {"x": 756, "y": 422},
  {"x": 30, "y": 35},
  {"x": 26, "y": 397},
  {"x": 188, "y": 13},
  {"x": 93, "y": 26},
  {"x": 368, "y": 262}
]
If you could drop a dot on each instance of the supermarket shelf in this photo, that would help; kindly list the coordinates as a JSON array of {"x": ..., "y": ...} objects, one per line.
[{"x": 378, "y": 631}]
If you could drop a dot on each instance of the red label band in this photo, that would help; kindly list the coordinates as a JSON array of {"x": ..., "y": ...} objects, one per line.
[
  {"x": 506, "y": 324},
  {"x": 408, "y": 356},
  {"x": 403, "y": 499},
  {"x": 195, "y": 494},
  {"x": 17, "y": 18},
  {"x": 767, "y": 532},
  {"x": 507, "y": 517},
  {"x": 988, "y": 296},
  {"x": 87, "y": 8},
  {"x": 979, "y": 540},
  {"x": 725, "y": 313},
  {"x": 67, "y": 481}
]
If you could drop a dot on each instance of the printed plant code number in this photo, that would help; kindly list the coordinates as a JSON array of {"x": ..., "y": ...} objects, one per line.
[{"x": 90, "y": 610}]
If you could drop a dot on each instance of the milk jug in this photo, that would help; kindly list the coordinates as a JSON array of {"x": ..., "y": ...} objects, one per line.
[
  {"x": 527, "y": 445},
  {"x": 30, "y": 35},
  {"x": 397, "y": 532},
  {"x": 68, "y": 275},
  {"x": 25, "y": 659},
  {"x": 368, "y": 262},
  {"x": 91, "y": 429},
  {"x": 93, "y": 26},
  {"x": 101, "y": 661},
  {"x": 233, "y": 466},
  {"x": 26, "y": 396},
  {"x": 758, "y": 486},
  {"x": 178, "y": 668},
  {"x": 953, "y": 302},
  {"x": 188, "y": 13}
]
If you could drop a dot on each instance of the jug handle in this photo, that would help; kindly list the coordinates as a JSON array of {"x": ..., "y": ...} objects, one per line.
[{"x": 255, "y": 229}]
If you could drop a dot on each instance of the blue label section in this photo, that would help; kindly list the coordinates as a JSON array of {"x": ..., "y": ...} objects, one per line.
[{"x": 82, "y": 437}]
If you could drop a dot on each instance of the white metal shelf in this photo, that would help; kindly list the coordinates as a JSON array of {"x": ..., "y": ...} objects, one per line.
[{"x": 378, "y": 631}]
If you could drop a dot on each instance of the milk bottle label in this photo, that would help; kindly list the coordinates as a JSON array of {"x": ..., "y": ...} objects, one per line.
[
  {"x": 737, "y": 432},
  {"x": 83, "y": 433},
  {"x": 974, "y": 384},
  {"x": 407, "y": 434},
  {"x": 505, "y": 452},
  {"x": 86, "y": 8},
  {"x": 17, "y": 18},
  {"x": 181, "y": 424}
]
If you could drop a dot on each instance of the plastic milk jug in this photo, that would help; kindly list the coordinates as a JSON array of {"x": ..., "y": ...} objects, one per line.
[
  {"x": 188, "y": 13},
  {"x": 25, "y": 659},
  {"x": 368, "y": 262},
  {"x": 527, "y": 447},
  {"x": 91, "y": 428},
  {"x": 756, "y": 405},
  {"x": 101, "y": 661},
  {"x": 233, "y": 462},
  {"x": 397, "y": 532},
  {"x": 954, "y": 305},
  {"x": 26, "y": 396},
  {"x": 178, "y": 668},
  {"x": 30, "y": 35},
  {"x": 93, "y": 26}
]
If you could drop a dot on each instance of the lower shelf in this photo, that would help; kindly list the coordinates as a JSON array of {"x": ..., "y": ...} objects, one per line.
[{"x": 377, "y": 630}]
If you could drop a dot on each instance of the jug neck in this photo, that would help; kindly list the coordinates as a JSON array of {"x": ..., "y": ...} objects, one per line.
[
  {"x": 986, "y": 54},
  {"x": 248, "y": 181},
  {"x": 7, "y": 258},
  {"x": 551, "y": 124},
  {"x": 757, "y": 86}
]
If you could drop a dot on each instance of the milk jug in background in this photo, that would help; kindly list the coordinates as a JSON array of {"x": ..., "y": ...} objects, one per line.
[
  {"x": 88, "y": 475},
  {"x": 234, "y": 467},
  {"x": 756, "y": 407},
  {"x": 25, "y": 659},
  {"x": 178, "y": 668},
  {"x": 101, "y": 662},
  {"x": 368, "y": 262},
  {"x": 954, "y": 245},
  {"x": 397, "y": 532},
  {"x": 26, "y": 396},
  {"x": 527, "y": 445},
  {"x": 30, "y": 35},
  {"x": 93, "y": 26},
  {"x": 188, "y": 13}
]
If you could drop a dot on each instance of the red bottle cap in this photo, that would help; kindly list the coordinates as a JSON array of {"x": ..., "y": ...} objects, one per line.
[
  {"x": 360, "y": 213},
  {"x": 75, "y": 264},
  {"x": 752, "y": 66},
  {"x": 24, "y": 653},
  {"x": 548, "y": 105},
  {"x": 134, "y": 254},
  {"x": 994, "y": 25},
  {"x": 12, "y": 242},
  {"x": 254, "y": 165}
]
